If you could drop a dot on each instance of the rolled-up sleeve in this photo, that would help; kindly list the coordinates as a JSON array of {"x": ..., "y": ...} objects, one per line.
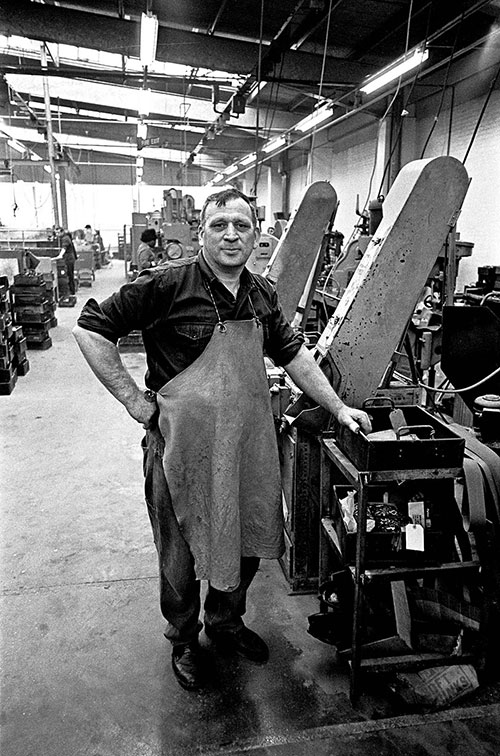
[{"x": 129, "y": 309}]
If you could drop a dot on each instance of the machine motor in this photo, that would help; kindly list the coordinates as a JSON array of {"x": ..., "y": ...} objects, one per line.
[{"x": 486, "y": 417}]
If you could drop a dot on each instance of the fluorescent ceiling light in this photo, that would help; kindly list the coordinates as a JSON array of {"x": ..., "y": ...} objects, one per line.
[
  {"x": 317, "y": 117},
  {"x": 16, "y": 146},
  {"x": 274, "y": 144},
  {"x": 95, "y": 114},
  {"x": 396, "y": 70},
  {"x": 142, "y": 130},
  {"x": 254, "y": 91},
  {"x": 188, "y": 127},
  {"x": 248, "y": 159},
  {"x": 139, "y": 161},
  {"x": 144, "y": 101},
  {"x": 149, "y": 38},
  {"x": 231, "y": 169},
  {"x": 218, "y": 177}
]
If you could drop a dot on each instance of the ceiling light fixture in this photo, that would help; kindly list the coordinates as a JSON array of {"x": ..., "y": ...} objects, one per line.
[
  {"x": 274, "y": 144},
  {"x": 230, "y": 169},
  {"x": 395, "y": 70},
  {"x": 315, "y": 118},
  {"x": 249, "y": 159},
  {"x": 218, "y": 177},
  {"x": 16, "y": 146},
  {"x": 149, "y": 38},
  {"x": 144, "y": 101},
  {"x": 142, "y": 130}
]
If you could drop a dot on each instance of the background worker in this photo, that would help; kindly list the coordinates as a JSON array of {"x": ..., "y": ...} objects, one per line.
[
  {"x": 146, "y": 257},
  {"x": 69, "y": 256},
  {"x": 88, "y": 234},
  {"x": 211, "y": 463}
]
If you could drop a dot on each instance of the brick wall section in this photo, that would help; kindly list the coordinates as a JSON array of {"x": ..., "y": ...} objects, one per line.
[{"x": 477, "y": 222}]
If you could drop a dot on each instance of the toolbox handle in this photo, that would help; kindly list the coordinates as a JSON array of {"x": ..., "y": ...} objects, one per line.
[
  {"x": 373, "y": 401},
  {"x": 405, "y": 429}
]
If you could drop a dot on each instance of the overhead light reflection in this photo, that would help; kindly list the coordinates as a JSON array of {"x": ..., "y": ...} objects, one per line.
[{"x": 397, "y": 69}]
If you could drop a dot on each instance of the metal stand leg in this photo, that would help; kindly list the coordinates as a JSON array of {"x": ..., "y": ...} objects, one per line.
[{"x": 359, "y": 578}]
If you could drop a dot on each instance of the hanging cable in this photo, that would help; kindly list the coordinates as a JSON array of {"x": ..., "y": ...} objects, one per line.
[
  {"x": 483, "y": 110},
  {"x": 259, "y": 81},
  {"x": 461, "y": 390},
  {"x": 380, "y": 124},
  {"x": 320, "y": 90},
  {"x": 445, "y": 84},
  {"x": 405, "y": 105},
  {"x": 271, "y": 109}
]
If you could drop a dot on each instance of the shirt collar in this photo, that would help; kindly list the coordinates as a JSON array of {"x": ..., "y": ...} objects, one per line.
[{"x": 246, "y": 278}]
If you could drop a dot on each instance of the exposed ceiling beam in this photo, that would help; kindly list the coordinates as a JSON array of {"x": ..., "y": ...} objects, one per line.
[
  {"x": 116, "y": 97},
  {"x": 199, "y": 50}
]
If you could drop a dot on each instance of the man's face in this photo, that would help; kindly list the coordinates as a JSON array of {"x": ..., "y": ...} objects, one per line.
[{"x": 228, "y": 235}]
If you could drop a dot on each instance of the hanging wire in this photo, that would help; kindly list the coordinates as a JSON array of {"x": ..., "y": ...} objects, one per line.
[
  {"x": 259, "y": 78},
  {"x": 271, "y": 110},
  {"x": 445, "y": 84},
  {"x": 406, "y": 103},
  {"x": 483, "y": 110},
  {"x": 320, "y": 89},
  {"x": 461, "y": 390},
  {"x": 342, "y": 256}
]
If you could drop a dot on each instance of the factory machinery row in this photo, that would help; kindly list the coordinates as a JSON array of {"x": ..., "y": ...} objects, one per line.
[{"x": 396, "y": 531}]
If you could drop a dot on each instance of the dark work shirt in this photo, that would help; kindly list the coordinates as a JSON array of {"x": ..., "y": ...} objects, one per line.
[
  {"x": 69, "y": 253},
  {"x": 171, "y": 305}
]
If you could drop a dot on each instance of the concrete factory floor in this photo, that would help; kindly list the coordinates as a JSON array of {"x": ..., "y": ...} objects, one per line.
[{"x": 86, "y": 669}]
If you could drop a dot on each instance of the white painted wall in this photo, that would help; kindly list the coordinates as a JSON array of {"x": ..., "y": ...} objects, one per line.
[
  {"x": 349, "y": 162},
  {"x": 480, "y": 211},
  {"x": 106, "y": 207}
]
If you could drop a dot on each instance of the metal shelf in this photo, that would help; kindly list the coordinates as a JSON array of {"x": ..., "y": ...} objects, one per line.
[{"x": 361, "y": 480}]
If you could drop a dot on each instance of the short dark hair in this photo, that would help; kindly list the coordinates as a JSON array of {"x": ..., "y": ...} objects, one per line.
[
  {"x": 148, "y": 235},
  {"x": 222, "y": 198}
]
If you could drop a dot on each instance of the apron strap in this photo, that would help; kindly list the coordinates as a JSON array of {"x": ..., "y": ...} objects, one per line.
[{"x": 220, "y": 323}]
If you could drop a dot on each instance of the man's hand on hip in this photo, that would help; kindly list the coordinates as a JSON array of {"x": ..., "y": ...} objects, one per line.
[{"x": 144, "y": 408}]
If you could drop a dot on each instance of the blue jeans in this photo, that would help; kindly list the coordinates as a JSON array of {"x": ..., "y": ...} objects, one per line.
[{"x": 179, "y": 589}]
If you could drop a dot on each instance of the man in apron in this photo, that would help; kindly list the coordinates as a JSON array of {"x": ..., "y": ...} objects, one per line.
[{"x": 211, "y": 463}]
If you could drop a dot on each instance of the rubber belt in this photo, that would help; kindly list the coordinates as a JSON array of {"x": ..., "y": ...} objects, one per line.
[
  {"x": 473, "y": 504},
  {"x": 487, "y": 460}
]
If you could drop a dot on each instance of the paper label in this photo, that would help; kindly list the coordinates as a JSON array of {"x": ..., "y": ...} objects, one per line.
[{"x": 414, "y": 537}]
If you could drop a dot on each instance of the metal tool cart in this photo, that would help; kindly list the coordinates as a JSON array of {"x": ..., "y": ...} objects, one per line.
[{"x": 428, "y": 460}]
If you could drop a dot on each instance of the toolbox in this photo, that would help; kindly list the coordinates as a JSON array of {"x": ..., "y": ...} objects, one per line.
[
  {"x": 7, "y": 387},
  {"x": 41, "y": 344},
  {"x": 422, "y": 442},
  {"x": 68, "y": 300},
  {"x": 23, "y": 367},
  {"x": 29, "y": 296},
  {"x": 28, "y": 279}
]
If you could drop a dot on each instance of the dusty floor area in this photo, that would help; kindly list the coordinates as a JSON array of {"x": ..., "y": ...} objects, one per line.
[{"x": 86, "y": 669}]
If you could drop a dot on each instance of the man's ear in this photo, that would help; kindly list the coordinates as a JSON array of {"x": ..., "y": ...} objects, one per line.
[{"x": 257, "y": 237}]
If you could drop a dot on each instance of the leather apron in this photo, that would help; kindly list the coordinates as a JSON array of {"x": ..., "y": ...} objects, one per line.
[{"x": 221, "y": 458}]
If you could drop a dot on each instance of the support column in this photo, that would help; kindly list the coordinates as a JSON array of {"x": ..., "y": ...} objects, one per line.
[
  {"x": 50, "y": 140},
  {"x": 62, "y": 193}
]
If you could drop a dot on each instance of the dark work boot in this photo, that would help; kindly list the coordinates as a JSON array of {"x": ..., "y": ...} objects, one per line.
[{"x": 186, "y": 663}]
